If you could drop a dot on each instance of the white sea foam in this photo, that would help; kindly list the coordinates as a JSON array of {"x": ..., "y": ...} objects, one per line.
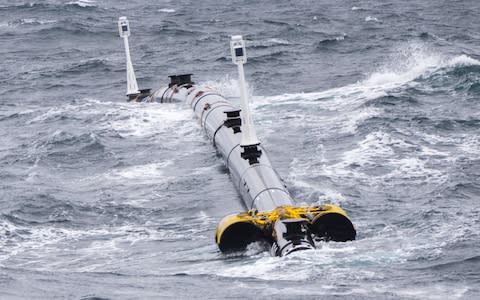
[
  {"x": 375, "y": 146},
  {"x": 166, "y": 10},
  {"x": 462, "y": 60},
  {"x": 428, "y": 151},
  {"x": 228, "y": 87},
  {"x": 470, "y": 145},
  {"x": 414, "y": 169},
  {"x": 361, "y": 165},
  {"x": 143, "y": 173},
  {"x": 330, "y": 259},
  {"x": 371, "y": 19},
  {"x": 33, "y": 247},
  {"x": 279, "y": 41},
  {"x": 82, "y": 3},
  {"x": 466, "y": 143},
  {"x": 36, "y": 21},
  {"x": 331, "y": 196},
  {"x": 27, "y": 21},
  {"x": 380, "y": 146},
  {"x": 46, "y": 115},
  {"x": 146, "y": 119}
]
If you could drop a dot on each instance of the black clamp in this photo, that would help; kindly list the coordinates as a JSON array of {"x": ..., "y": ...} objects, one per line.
[
  {"x": 183, "y": 79},
  {"x": 251, "y": 153},
  {"x": 141, "y": 96},
  {"x": 233, "y": 120}
]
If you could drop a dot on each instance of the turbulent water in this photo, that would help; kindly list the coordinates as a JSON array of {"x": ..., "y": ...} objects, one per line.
[{"x": 372, "y": 105}]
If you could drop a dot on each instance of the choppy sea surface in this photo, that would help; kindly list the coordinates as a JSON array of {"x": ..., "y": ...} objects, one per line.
[{"x": 372, "y": 105}]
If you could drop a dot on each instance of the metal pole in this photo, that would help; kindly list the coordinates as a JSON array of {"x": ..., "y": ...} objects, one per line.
[{"x": 124, "y": 31}]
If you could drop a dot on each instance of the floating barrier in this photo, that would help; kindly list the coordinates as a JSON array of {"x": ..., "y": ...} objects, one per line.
[{"x": 271, "y": 213}]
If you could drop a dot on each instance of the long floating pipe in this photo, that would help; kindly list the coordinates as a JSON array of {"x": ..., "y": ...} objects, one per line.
[{"x": 271, "y": 213}]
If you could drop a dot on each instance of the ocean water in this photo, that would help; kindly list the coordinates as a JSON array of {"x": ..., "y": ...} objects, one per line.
[{"x": 372, "y": 105}]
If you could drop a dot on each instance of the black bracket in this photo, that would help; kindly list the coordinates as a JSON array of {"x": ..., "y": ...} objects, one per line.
[
  {"x": 233, "y": 120},
  {"x": 184, "y": 79},
  {"x": 140, "y": 96},
  {"x": 251, "y": 153}
]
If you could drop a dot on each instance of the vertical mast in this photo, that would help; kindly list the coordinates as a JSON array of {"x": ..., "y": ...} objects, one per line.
[
  {"x": 124, "y": 31},
  {"x": 239, "y": 57},
  {"x": 249, "y": 142}
]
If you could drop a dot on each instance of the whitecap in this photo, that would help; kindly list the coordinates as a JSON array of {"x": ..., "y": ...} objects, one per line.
[
  {"x": 166, "y": 10},
  {"x": 146, "y": 119},
  {"x": 82, "y": 3},
  {"x": 153, "y": 172},
  {"x": 371, "y": 19},
  {"x": 462, "y": 60},
  {"x": 279, "y": 41},
  {"x": 27, "y": 21}
]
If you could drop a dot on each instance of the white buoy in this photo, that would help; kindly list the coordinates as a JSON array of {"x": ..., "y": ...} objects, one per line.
[
  {"x": 124, "y": 30},
  {"x": 239, "y": 57}
]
